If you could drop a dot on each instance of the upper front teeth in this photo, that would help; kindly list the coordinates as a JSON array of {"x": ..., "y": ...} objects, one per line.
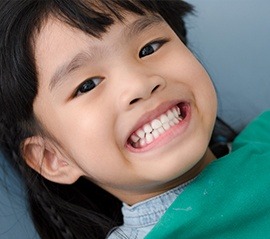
[
  {"x": 156, "y": 127},
  {"x": 155, "y": 124}
]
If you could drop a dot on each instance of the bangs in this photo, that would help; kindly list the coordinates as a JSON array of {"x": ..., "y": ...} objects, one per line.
[{"x": 95, "y": 16}]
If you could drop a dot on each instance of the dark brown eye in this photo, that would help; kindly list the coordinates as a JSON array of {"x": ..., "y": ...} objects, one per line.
[
  {"x": 87, "y": 86},
  {"x": 150, "y": 48}
]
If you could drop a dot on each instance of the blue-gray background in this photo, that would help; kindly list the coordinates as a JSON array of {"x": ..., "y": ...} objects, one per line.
[{"x": 231, "y": 38}]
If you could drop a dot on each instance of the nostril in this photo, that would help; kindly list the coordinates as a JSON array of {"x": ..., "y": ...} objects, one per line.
[
  {"x": 155, "y": 88},
  {"x": 134, "y": 101},
  {"x": 140, "y": 98}
]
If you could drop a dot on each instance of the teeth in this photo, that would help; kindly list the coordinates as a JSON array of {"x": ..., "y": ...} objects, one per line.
[
  {"x": 155, "y": 124},
  {"x": 176, "y": 121},
  {"x": 149, "y": 138},
  {"x": 161, "y": 130},
  {"x": 140, "y": 133},
  {"x": 166, "y": 126},
  {"x": 142, "y": 142},
  {"x": 134, "y": 138},
  {"x": 164, "y": 119},
  {"x": 155, "y": 134},
  {"x": 170, "y": 115},
  {"x": 178, "y": 110},
  {"x": 175, "y": 112},
  {"x": 151, "y": 131},
  {"x": 147, "y": 128},
  {"x": 171, "y": 123}
]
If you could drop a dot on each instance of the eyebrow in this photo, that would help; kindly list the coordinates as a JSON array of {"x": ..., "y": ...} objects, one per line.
[
  {"x": 142, "y": 24},
  {"x": 76, "y": 62}
]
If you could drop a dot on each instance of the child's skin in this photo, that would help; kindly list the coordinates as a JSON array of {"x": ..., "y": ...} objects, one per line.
[{"x": 88, "y": 130}]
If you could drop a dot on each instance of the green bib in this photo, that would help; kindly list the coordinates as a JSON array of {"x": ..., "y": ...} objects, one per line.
[{"x": 230, "y": 198}]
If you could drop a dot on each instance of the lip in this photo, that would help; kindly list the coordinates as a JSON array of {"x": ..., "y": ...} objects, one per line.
[{"x": 153, "y": 114}]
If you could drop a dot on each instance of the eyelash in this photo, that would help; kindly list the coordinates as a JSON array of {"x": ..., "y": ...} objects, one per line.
[
  {"x": 87, "y": 85},
  {"x": 158, "y": 43},
  {"x": 91, "y": 83}
]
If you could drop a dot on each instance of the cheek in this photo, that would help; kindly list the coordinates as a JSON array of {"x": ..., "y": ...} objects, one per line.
[
  {"x": 200, "y": 82},
  {"x": 188, "y": 72},
  {"x": 80, "y": 130},
  {"x": 89, "y": 139},
  {"x": 86, "y": 129},
  {"x": 191, "y": 75},
  {"x": 180, "y": 65}
]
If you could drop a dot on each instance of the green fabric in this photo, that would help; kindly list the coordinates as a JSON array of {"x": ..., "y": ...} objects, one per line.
[{"x": 230, "y": 198}]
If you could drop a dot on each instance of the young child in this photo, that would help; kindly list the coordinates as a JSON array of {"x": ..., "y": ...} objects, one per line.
[{"x": 103, "y": 103}]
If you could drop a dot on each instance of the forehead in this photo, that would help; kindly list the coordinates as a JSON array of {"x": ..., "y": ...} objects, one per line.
[{"x": 55, "y": 32}]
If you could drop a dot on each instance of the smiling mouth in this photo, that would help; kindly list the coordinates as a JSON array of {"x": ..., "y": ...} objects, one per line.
[{"x": 152, "y": 130}]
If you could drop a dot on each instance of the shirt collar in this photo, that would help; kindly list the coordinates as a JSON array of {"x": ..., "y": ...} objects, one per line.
[{"x": 149, "y": 212}]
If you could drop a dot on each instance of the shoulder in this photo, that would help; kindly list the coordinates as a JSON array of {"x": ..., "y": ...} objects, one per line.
[
  {"x": 257, "y": 131},
  {"x": 119, "y": 233}
]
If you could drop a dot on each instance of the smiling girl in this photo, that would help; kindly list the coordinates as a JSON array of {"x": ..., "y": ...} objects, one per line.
[{"x": 102, "y": 103}]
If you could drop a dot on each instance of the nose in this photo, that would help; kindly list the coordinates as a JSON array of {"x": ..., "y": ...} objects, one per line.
[{"x": 139, "y": 88}]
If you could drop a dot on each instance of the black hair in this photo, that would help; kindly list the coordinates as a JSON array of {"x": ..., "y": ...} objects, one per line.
[{"x": 81, "y": 210}]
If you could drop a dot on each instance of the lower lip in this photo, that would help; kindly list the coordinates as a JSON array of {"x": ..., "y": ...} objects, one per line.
[{"x": 167, "y": 137}]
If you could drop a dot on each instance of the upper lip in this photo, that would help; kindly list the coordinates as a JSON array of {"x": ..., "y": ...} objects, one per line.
[{"x": 152, "y": 114}]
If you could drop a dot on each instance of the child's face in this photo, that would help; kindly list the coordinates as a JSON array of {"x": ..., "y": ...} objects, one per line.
[{"x": 95, "y": 93}]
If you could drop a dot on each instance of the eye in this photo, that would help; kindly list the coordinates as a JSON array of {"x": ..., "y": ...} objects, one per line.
[
  {"x": 151, "y": 47},
  {"x": 87, "y": 86}
]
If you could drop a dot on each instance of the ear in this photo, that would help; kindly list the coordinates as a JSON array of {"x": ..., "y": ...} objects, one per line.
[{"x": 45, "y": 158}]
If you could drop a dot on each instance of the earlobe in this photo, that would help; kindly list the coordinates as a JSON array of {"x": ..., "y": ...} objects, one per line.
[{"x": 45, "y": 158}]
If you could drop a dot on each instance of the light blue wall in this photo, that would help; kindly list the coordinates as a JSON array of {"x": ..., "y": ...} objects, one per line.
[{"x": 232, "y": 39}]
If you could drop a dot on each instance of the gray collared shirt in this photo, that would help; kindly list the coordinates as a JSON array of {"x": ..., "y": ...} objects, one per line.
[{"x": 140, "y": 218}]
